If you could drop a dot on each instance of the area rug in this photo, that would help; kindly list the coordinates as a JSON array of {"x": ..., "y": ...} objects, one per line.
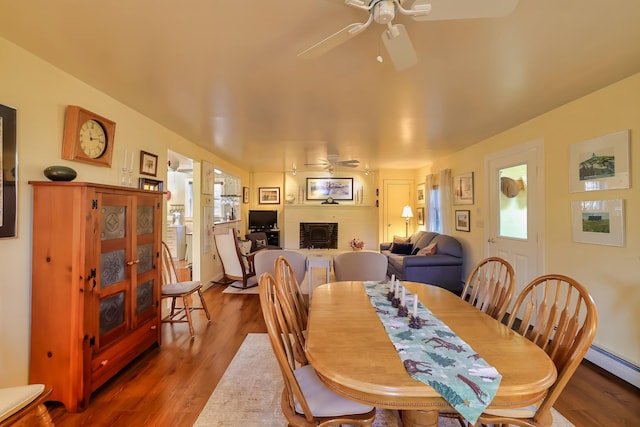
[{"x": 248, "y": 394}]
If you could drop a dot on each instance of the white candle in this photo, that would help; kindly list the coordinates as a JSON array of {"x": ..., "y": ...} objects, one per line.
[
  {"x": 403, "y": 295},
  {"x": 393, "y": 279},
  {"x": 131, "y": 168},
  {"x": 415, "y": 305},
  {"x": 124, "y": 159}
]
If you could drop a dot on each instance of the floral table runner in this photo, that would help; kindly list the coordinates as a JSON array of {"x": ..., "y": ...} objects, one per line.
[{"x": 436, "y": 356}]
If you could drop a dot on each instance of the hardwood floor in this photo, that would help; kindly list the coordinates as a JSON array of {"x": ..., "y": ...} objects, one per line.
[{"x": 169, "y": 386}]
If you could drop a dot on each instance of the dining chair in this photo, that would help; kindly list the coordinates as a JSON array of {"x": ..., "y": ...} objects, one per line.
[
  {"x": 25, "y": 405},
  {"x": 237, "y": 265},
  {"x": 173, "y": 288},
  {"x": 305, "y": 400},
  {"x": 556, "y": 313},
  {"x": 360, "y": 265},
  {"x": 490, "y": 287},
  {"x": 264, "y": 262}
]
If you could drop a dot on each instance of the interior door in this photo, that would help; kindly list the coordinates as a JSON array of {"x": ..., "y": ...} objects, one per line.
[
  {"x": 397, "y": 194},
  {"x": 515, "y": 209}
]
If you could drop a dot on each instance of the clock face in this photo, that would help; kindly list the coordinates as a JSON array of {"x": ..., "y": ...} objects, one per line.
[{"x": 93, "y": 139}]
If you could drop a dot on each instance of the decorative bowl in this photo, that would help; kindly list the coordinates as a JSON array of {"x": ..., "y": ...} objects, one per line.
[{"x": 60, "y": 173}]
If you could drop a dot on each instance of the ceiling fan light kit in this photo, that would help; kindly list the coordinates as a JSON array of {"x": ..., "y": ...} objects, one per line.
[{"x": 396, "y": 37}]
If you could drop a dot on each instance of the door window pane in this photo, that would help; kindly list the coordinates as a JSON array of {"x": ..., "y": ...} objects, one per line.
[{"x": 513, "y": 217}]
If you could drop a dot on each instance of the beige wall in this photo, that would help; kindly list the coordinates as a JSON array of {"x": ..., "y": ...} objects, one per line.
[
  {"x": 40, "y": 93},
  {"x": 612, "y": 274}
]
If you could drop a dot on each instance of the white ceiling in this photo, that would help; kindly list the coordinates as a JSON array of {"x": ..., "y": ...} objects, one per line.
[{"x": 224, "y": 74}]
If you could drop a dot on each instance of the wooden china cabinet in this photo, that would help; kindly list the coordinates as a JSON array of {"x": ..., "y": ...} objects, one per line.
[{"x": 95, "y": 284}]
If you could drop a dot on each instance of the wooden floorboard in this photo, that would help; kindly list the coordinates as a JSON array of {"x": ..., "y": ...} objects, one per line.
[{"x": 169, "y": 386}]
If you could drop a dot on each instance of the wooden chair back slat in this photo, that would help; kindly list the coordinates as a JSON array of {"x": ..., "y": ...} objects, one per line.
[{"x": 490, "y": 286}]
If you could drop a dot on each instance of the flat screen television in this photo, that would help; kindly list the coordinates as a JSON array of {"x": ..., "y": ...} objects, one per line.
[{"x": 263, "y": 220}]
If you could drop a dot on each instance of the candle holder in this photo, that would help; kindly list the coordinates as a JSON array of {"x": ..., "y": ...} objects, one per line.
[
  {"x": 402, "y": 311},
  {"x": 130, "y": 178},
  {"x": 395, "y": 302},
  {"x": 125, "y": 180},
  {"x": 415, "y": 322},
  {"x": 390, "y": 295}
]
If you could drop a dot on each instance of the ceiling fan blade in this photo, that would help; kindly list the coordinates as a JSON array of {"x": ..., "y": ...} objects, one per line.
[
  {"x": 399, "y": 46},
  {"x": 348, "y": 163},
  {"x": 463, "y": 9},
  {"x": 332, "y": 41}
]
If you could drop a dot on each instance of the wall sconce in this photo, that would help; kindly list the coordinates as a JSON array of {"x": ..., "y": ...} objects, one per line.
[
  {"x": 366, "y": 171},
  {"x": 407, "y": 213},
  {"x": 294, "y": 171}
]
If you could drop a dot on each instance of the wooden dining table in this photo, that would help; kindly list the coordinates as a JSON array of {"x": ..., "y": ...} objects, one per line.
[{"x": 353, "y": 355}]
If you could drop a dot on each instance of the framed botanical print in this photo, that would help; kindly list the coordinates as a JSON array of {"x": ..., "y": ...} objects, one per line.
[
  {"x": 463, "y": 221},
  {"x": 148, "y": 164},
  {"x": 463, "y": 189}
]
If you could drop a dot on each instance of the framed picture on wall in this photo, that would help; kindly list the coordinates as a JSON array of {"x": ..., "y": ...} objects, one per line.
[
  {"x": 600, "y": 222},
  {"x": 208, "y": 175},
  {"x": 463, "y": 189},
  {"x": 600, "y": 163},
  {"x": 245, "y": 195},
  {"x": 150, "y": 184},
  {"x": 420, "y": 216},
  {"x": 269, "y": 195},
  {"x": 420, "y": 193},
  {"x": 8, "y": 175},
  {"x": 336, "y": 188},
  {"x": 148, "y": 164},
  {"x": 463, "y": 222}
]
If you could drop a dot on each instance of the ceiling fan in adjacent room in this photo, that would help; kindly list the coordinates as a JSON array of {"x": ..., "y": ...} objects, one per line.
[
  {"x": 332, "y": 161},
  {"x": 395, "y": 36}
]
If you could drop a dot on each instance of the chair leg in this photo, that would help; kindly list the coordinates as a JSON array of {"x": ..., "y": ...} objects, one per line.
[
  {"x": 42, "y": 414},
  {"x": 187, "y": 312},
  {"x": 204, "y": 305}
]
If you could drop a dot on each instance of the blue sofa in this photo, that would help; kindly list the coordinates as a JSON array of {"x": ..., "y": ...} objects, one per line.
[{"x": 443, "y": 269}]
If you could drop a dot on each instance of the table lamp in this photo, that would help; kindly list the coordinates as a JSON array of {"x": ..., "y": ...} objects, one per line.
[{"x": 406, "y": 214}]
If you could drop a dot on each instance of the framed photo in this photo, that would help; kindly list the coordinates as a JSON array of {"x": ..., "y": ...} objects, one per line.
[
  {"x": 245, "y": 195},
  {"x": 600, "y": 222},
  {"x": 463, "y": 220},
  {"x": 269, "y": 195},
  {"x": 600, "y": 164},
  {"x": 420, "y": 216},
  {"x": 420, "y": 193},
  {"x": 148, "y": 164},
  {"x": 463, "y": 189},
  {"x": 8, "y": 172},
  {"x": 336, "y": 188},
  {"x": 208, "y": 175},
  {"x": 150, "y": 184}
]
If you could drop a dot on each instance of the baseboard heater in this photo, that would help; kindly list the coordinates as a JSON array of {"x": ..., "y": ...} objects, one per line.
[{"x": 619, "y": 367}]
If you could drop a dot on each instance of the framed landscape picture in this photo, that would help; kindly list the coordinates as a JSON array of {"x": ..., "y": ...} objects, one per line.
[
  {"x": 600, "y": 222},
  {"x": 148, "y": 164},
  {"x": 269, "y": 195},
  {"x": 8, "y": 175},
  {"x": 600, "y": 164},
  {"x": 336, "y": 188},
  {"x": 463, "y": 221},
  {"x": 420, "y": 216}
]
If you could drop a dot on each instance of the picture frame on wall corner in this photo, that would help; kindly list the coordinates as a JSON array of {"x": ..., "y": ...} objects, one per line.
[
  {"x": 463, "y": 220},
  {"x": 269, "y": 195},
  {"x": 245, "y": 195},
  {"x": 420, "y": 193},
  {"x": 207, "y": 180},
  {"x": 420, "y": 216},
  {"x": 463, "y": 189},
  {"x": 148, "y": 163},
  {"x": 599, "y": 222},
  {"x": 600, "y": 163},
  {"x": 9, "y": 175}
]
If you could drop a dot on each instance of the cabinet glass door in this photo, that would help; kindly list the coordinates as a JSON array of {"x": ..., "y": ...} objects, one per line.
[
  {"x": 147, "y": 218},
  {"x": 114, "y": 275}
]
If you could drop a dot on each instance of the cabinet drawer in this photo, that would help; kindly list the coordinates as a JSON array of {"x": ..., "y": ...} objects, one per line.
[{"x": 107, "y": 363}]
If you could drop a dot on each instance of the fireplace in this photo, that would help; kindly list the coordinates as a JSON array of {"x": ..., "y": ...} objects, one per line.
[{"x": 318, "y": 235}]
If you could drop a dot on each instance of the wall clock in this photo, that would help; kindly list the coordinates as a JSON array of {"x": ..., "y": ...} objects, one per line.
[{"x": 88, "y": 137}]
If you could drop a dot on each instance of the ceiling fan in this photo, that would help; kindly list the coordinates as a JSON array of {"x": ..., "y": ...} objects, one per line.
[
  {"x": 332, "y": 161},
  {"x": 395, "y": 36}
]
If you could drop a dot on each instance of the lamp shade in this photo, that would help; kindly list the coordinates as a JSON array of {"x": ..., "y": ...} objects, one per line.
[{"x": 407, "y": 212}]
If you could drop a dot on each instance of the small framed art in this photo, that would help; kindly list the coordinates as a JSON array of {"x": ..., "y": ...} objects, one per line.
[
  {"x": 463, "y": 189},
  {"x": 600, "y": 222},
  {"x": 463, "y": 220},
  {"x": 269, "y": 195},
  {"x": 9, "y": 172},
  {"x": 150, "y": 184},
  {"x": 420, "y": 193},
  {"x": 148, "y": 164},
  {"x": 420, "y": 216},
  {"x": 245, "y": 195}
]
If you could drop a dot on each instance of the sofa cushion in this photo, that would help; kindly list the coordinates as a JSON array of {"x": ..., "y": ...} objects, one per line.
[
  {"x": 402, "y": 248},
  {"x": 430, "y": 249},
  {"x": 448, "y": 245}
]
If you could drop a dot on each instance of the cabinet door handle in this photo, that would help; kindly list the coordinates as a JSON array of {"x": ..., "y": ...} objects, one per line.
[
  {"x": 104, "y": 362},
  {"x": 135, "y": 261}
]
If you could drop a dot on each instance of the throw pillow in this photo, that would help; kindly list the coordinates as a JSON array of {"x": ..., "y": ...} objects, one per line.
[
  {"x": 402, "y": 248},
  {"x": 400, "y": 239},
  {"x": 261, "y": 243},
  {"x": 245, "y": 246},
  {"x": 428, "y": 250}
]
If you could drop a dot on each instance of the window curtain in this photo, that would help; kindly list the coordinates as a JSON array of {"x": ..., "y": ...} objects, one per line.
[
  {"x": 445, "y": 200},
  {"x": 430, "y": 205}
]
